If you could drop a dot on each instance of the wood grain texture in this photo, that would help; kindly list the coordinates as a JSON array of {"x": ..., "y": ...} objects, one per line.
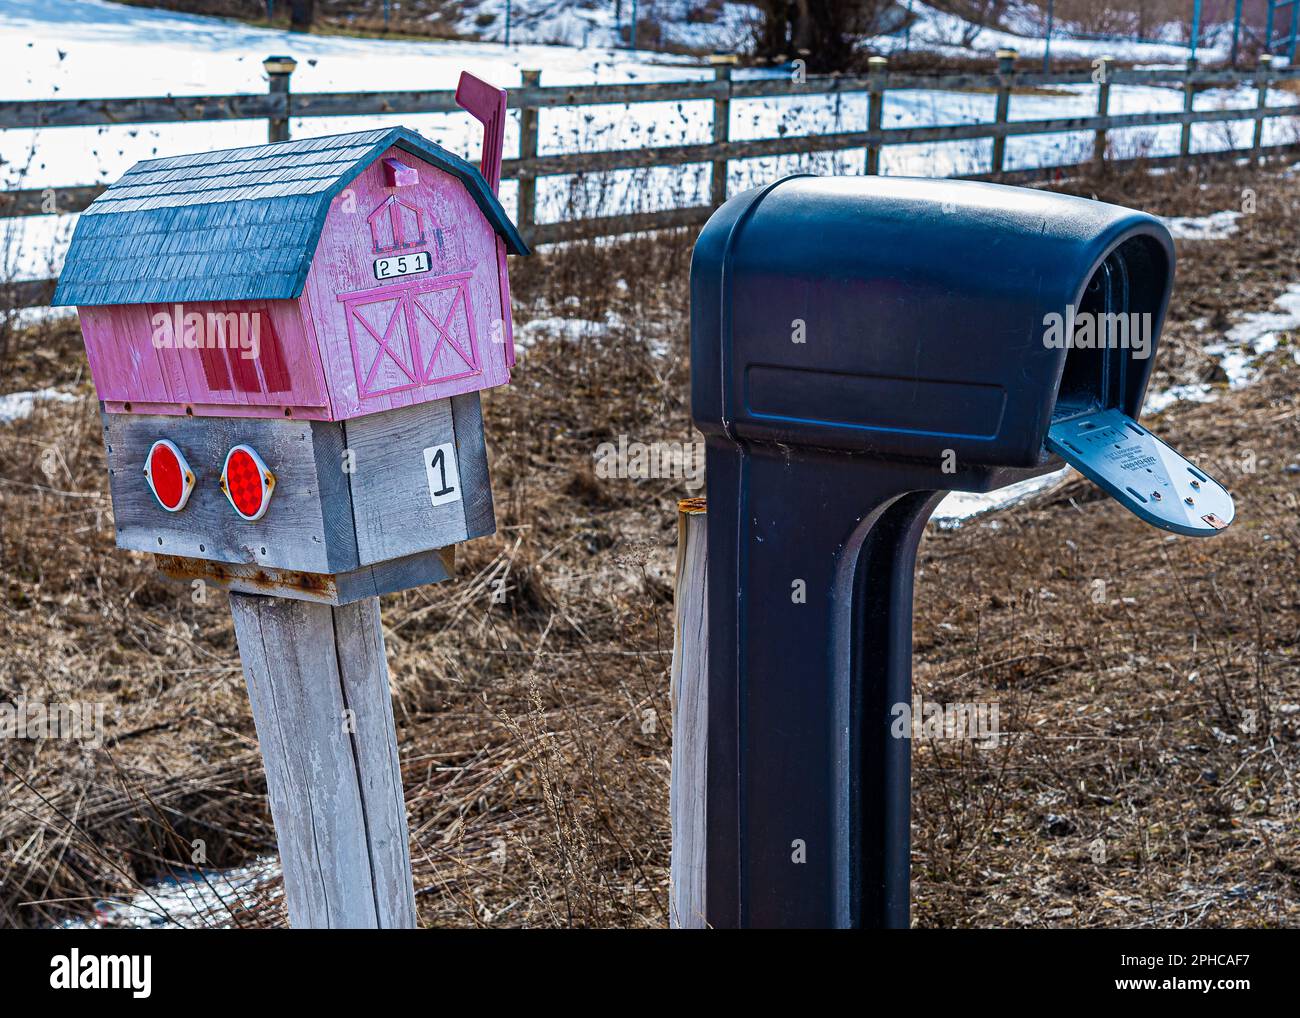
[
  {"x": 395, "y": 574},
  {"x": 690, "y": 705},
  {"x": 329, "y": 451},
  {"x": 318, "y": 685},
  {"x": 471, "y": 452},
  {"x": 292, "y": 535},
  {"x": 391, "y": 502},
  {"x": 359, "y": 641}
]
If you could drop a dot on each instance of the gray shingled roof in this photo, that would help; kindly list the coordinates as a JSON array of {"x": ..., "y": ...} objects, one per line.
[{"x": 239, "y": 224}]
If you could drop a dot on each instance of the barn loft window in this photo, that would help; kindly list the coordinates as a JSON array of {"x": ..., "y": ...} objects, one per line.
[
  {"x": 398, "y": 174},
  {"x": 396, "y": 226},
  {"x": 249, "y": 358}
]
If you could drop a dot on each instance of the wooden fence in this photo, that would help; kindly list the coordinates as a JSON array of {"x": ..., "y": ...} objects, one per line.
[{"x": 279, "y": 104}]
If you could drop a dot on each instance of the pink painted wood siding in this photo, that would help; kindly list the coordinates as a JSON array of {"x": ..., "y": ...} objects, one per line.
[
  {"x": 388, "y": 343},
  {"x": 285, "y": 378}
]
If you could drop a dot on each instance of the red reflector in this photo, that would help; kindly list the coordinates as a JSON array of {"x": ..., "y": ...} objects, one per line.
[
  {"x": 170, "y": 478},
  {"x": 247, "y": 482}
]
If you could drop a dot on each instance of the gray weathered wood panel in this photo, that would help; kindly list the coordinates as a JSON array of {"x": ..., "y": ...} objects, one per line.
[
  {"x": 359, "y": 640},
  {"x": 395, "y": 574},
  {"x": 467, "y": 420},
  {"x": 391, "y": 504},
  {"x": 329, "y": 455},
  {"x": 375, "y": 528},
  {"x": 690, "y": 704},
  {"x": 292, "y": 535},
  {"x": 318, "y": 685}
]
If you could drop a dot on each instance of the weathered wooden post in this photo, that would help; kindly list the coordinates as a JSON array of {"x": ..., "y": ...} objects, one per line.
[
  {"x": 528, "y": 113},
  {"x": 1001, "y": 112},
  {"x": 722, "y": 65},
  {"x": 876, "y": 67},
  {"x": 278, "y": 71},
  {"x": 1189, "y": 100},
  {"x": 1261, "y": 100},
  {"x": 827, "y": 449},
  {"x": 318, "y": 684},
  {"x": 1103, "y": 110},
  {"x": 690, "y": 704},
  {"x": 289, "y": 371}
]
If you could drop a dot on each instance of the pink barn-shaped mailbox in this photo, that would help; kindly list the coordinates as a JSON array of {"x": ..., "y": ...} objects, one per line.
[{"x": 288, "y": 341}]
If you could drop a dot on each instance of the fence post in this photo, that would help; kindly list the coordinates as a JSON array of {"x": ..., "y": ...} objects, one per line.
[
  {"x": 1236, "y": 35},
  {"x": 1103, "y": 110},
  {"x": 875, "y": 107},
  {"x": 722, "y": 63},
  {"x": 1261, "y": 100},
  {"x": 690, "y": 705},
  {"x": 278, "y": 70},
  {"x": 527, "y": 153},
  {"x": 1189, "y": 97},
  {"x": 1006, "y": 75}
]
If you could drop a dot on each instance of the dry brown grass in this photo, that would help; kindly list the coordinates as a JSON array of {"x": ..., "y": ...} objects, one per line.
[{"x": 535, "y": 733}]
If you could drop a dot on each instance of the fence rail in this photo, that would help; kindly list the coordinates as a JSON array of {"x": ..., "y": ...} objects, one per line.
[{"x": 278, "y": 105}]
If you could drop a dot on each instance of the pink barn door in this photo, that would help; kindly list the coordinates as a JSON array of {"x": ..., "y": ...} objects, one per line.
[{"x": 411, "y": 334}]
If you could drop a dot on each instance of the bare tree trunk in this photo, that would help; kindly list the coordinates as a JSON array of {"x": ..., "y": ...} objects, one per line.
[
  {"x": 301, "y": 15},
  {"x": 803, "y": 36}
]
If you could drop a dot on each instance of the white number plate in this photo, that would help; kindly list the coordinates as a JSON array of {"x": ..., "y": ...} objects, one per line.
[
  {"x": 401, "y": 265},
  {"x": 444, "y": 478}
]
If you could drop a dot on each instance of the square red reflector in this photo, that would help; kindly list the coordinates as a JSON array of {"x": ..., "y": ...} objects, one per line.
[{"x": 247, "y": 482}]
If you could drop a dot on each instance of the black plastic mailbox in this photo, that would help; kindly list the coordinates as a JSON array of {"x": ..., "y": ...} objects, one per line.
[{"x": 860, "y": 347}]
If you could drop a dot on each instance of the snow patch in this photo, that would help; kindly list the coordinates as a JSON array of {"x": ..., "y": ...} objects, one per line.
[
  {"x": 962, "y": 505},
  {"x": 194, "y": 899},
  {"x": 18, "y": 406},
  {"x": 1215, "y": 226}
]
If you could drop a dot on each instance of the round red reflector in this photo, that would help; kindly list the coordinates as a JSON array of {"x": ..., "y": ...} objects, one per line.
[
  {"x": 165, "y": 471},
  {"x": 169, "y": 476},
  {"x": 247, "y": 482}
]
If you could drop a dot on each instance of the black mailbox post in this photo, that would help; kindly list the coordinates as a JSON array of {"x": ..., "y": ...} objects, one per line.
[{"x": 860, "y": 347}]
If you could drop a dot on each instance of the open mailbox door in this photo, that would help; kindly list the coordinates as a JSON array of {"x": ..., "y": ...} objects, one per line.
[{"x": 1143, "y": 474}]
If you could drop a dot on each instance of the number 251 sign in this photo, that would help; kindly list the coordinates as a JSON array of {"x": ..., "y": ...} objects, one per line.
[{"x": 402, "y": 265}]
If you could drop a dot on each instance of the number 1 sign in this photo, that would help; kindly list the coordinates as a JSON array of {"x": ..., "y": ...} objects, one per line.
[{"x": 444, "y": 478}]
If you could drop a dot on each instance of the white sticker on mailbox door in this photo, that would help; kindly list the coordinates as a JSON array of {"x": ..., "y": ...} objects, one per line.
[{"x": 444, "y": 478}]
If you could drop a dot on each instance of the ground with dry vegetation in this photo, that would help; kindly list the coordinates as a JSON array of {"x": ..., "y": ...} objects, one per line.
[{"x": 1149, "y": 687}]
